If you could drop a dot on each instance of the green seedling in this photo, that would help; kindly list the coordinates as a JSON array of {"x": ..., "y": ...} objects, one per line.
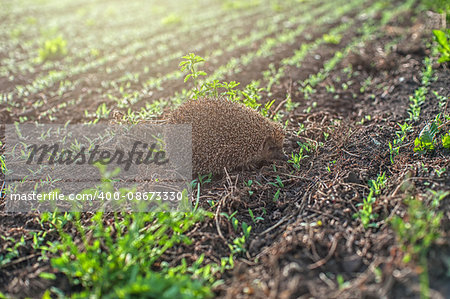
[
  {"x": 394, "y": 147},
  {"x": 341, "y": 282},
  {"x": 213, "y": 87},
  {"x": 229, "y": 217},
  {"x": 235, "y": 223},
  {"x": 266, "y": 110},
  {"x": 330, "y": 88},
  {"x": 55, "y": 218},
  {"x": 442, "y": 38},
  {"x": 232, "y": 219},
  {"x": 416, "y": 102},
  {"x": 249, "y": 184},
  {"x": 307, "y": 91},
  {"x": 440, "y": 171},
  {"x": 53, "y": 49},
  {"x": 366, "y": 214},
  {"x": 427, "y": 138},
  {"x": 11, "y": 252},
  {"x": 310, "y": 146},
  {"x": 427, "y": 72},
  {"x": 246, "y": 230},
  {"x": 238, "y": 246},
  {"x": 276, "y": 195},
  {"x": 272, "y": 76},
  {"x": 420, "y": 93},
  {"x": 254, "y": 219},
  {"x": 331, "y": 163},
  {"x": 301, "y": 129},
  {"x": 366, "y": 118},
  {"x": 296, "y": 158},
  {"x": 378, "y": 184},
  {"x": 442, "y": 99},
  {"x": 190, "y": 64},
  {"x": 251, "y": 95},
  {"x": 230, "y": 89},
  {"x": 349, "y": 71},
  {"x": 404, "y": 129},
  {"x": 289, "y": 105},
  {"x": 279, "y": 182},
  {"x": 204, "y": 179},
  {"x": 446, "y": 140},
  {"x": 102, "y": 111},
  {"x": 417, "y": 231},
  {"x": 201, "y": 180},
  {"x": 366, "y": 84}
]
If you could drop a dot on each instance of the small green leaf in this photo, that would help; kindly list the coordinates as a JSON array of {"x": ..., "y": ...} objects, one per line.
[
  {"x": 444, "y": 47},
  {"x": 441, "y": 39},
  {"x": 444, "y": 59},
  {"x": 187, "y": 77},
  {"x": 426, "y": 139},
  {"x": 46, "y": 295},
  {"x": 46, "y": 275},
  {"x": 277, "y": 195},
  {"x": 446, "y": 141}
]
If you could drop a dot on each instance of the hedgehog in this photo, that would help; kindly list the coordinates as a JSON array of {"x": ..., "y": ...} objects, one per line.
[{"x": 227, "y": 134}]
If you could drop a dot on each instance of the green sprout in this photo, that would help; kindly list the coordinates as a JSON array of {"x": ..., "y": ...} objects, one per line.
[{"x": 53, "y": 49}]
